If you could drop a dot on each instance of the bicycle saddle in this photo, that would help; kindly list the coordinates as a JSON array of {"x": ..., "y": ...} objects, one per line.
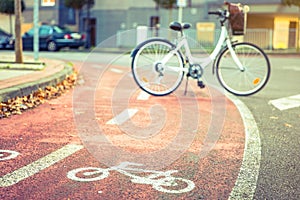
[{"x": 176, "y": 26}]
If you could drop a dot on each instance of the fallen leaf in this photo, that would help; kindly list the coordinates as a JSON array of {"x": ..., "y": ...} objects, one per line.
[
  {"x": 16, "y": 105},
  {"x": 288, "y": 125}
]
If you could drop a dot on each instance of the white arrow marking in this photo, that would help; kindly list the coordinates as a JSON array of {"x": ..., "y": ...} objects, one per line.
[
  {"x": 287, "y": 102},
  {"x": 143, "y": 96},
  {"x": 122, "y": 117},
  {"x": 118, "y": 71}
]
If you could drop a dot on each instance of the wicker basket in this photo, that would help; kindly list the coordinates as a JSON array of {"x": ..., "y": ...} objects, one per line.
[{"x": 237, "y": 19}]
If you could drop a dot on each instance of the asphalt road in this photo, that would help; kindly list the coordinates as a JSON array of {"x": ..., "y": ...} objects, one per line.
[
  {"x": 279, "y": 176},
  {"x": 278, "y": 129}
]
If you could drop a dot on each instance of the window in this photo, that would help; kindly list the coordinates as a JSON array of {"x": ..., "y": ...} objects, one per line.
[
  {"x": 45, "y": 30},
  {"x": 58, "y": 29},
  {"x": 31, "y": 32},
  {"x": 154, "y": 21}
]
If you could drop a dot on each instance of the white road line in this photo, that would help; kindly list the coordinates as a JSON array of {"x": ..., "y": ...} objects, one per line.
[
  {"x": 245, "y": 184},
  {"x": 123, "y": 117},
  {"x": 286, "y": 103},
  {"x": 38, "y": 165},
  {"x": 118, "y": 71},
  {"x": 143, "y": 96}
]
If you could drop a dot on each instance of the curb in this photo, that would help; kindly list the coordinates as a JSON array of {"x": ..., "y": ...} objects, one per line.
[
  {"x": 28, "y": 88},
  {"x": 22, "y": 66}
]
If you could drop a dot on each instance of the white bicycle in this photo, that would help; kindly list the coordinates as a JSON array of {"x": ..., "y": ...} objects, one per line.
[{"x": 158, "y": 66}]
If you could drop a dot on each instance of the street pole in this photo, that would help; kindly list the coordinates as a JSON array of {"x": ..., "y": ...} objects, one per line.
[
  {"x": 180, "y": 14},
  {"x": 297, "y": 29},
  {"x": 36, "y": 29},
  {"x": 181, "y": 4}
]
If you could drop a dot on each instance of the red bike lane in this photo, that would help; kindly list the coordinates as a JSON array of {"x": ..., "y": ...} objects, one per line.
[{"x": 49, "y": 134}]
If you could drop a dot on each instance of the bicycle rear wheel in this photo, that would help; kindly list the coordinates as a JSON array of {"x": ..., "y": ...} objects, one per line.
[
  {"x": 151, "y": 72},
  {"x": 243, "y": 82}
]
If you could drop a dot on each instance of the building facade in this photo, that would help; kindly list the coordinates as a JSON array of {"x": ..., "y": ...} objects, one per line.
[
  {"x": 269, "y": 23},
  {"x": 50, "y": 11}
]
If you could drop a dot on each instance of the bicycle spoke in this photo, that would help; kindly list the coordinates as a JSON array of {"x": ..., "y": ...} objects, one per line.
[
  {"x": 254, "y": 76},
  {"x": 148, "y": 58},
  {"x": 151, "y": 74}
]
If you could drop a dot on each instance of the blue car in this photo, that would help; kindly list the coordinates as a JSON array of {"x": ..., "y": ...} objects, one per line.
[
  {"x": 53, "y": 38},
  {"x": 6, "y": 40}
]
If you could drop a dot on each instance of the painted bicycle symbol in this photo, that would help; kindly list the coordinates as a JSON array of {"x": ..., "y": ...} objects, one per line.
[
  {"x": 8, "y": 154},
  {"x": 162, "y": 181}
]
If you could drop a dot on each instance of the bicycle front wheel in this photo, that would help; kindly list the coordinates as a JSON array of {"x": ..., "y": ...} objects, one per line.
[
  {"x": 252, "y": 78},
  {"x": 156, "y": 69}
]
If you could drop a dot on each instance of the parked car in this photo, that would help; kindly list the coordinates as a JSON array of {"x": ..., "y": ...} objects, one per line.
[
  {"x": 6, "y": 40},
  {"x": 53, "y": 38}
]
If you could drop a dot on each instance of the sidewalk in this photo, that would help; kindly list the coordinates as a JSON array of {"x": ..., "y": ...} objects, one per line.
[{"x": 23, "y": 79}]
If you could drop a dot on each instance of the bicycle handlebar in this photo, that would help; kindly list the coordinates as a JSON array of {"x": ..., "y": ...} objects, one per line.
[
  {"x": 220, "y": 13},
  {"x": 223, "y": 14},
  {"x": 214, "y": 13}
]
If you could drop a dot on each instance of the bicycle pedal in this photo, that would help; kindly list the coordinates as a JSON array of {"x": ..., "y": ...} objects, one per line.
[{"x": 201, "y": 84}]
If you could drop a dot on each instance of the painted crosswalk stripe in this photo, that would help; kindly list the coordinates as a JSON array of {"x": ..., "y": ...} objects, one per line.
[
  {"x": 38, "y": 165},
  {"x": 293, "y": 67},
  {"x": 287, "y": 102},
  {"x": 123, "y": 117},
  {"x": 143, "y": 96}
]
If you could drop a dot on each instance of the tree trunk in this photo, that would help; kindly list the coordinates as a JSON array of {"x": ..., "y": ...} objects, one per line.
[
  {"x": 18, "y": 41},
  {"x": 298, "y": 35}
]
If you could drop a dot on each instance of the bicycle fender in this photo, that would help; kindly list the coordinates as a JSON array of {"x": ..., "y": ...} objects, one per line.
[{"x": 133, "y": 52}]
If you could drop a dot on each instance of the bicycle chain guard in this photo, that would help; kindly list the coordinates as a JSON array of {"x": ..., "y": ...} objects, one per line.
[{"x": 195, "y": 71}]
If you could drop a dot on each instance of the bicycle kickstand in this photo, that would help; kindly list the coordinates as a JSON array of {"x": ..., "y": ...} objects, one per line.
[{"x": 186, "y": 86}]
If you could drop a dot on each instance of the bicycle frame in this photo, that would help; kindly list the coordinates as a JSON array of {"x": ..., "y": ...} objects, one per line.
[{"x": 204, "y": 62}]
